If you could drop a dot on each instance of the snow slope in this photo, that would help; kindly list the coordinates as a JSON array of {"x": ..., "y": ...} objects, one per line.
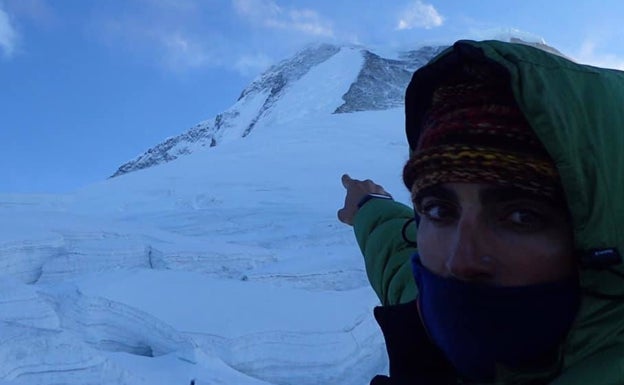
[
  {"x": 227, "y": 265},
  {"x": 347, "y": 79}
]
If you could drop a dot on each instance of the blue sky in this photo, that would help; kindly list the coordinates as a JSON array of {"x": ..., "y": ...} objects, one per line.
[{"x": 87, "y": 85}]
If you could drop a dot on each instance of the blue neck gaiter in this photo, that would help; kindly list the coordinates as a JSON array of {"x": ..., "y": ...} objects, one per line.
[{"x": 479, "y": 326}]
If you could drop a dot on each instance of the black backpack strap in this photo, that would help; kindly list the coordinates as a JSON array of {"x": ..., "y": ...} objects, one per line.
[{"x": 412, "y": 356}]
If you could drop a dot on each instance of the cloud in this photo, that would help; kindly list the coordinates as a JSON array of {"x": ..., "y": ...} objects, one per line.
[
  {"x": 8, "y": 35},
  {"x": 175, "y": 49},
  {"x": 170, "y": 34},
  {"x": 419, "y": 15},
  {"x": 175, "y": 5},
  {"x": 270, "y": 15},
  {"x": 196, "y": 35},
  {"x": 37, "y": 11},
  {"x": 257, "y": 9},
  {"x": 182, "y": 51},
  {"x": 588, "y": 54},
  {"x": 505, "y": 34},
  {"x": 250, "y": 65}
]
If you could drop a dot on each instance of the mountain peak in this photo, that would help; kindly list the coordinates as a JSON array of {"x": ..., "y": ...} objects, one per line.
[
  {"x": 291, "y": 69},
  {"x": 319, "y": 79}
]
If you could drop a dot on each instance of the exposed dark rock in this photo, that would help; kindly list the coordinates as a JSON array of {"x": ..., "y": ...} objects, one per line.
[{"x": 380, "y": 85}]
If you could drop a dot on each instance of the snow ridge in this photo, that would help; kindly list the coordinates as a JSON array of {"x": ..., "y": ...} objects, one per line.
[
  {"x": 379, "y": 85},
  {"x": 257, "y": 98}
]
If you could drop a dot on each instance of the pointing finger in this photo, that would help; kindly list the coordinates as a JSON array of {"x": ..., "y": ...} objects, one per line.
[{"x": 346, "y": 180}]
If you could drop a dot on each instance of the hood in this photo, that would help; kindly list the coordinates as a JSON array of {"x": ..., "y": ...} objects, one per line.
[{"x": 577, "y": 112}]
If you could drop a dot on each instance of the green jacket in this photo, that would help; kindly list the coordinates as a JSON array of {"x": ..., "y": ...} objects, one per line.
[{"x": 577, "y": 111}]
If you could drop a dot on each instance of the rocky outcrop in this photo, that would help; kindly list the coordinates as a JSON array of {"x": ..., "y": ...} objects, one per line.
[{"x": 381, "y": 83}]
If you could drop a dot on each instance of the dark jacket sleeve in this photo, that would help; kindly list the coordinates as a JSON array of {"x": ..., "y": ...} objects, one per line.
[{"x": 378, "y": 225}]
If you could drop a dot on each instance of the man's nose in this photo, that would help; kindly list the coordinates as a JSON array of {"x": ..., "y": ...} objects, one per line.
[{"x": 468, "y": 258}]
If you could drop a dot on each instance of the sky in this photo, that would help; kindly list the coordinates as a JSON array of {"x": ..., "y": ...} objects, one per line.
[{"x": 87, "y": 85}]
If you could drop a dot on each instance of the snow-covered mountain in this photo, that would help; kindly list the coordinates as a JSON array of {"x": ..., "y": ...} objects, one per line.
[
  {"x": 228, "y": 265},
  {"x": 378, "y": 84}
]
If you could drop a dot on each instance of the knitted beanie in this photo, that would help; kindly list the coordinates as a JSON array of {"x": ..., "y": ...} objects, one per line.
[{"x": 474, "y": 132}]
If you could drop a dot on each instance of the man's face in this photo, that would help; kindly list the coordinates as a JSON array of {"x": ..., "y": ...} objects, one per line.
[{"x": 493, "y": 235}]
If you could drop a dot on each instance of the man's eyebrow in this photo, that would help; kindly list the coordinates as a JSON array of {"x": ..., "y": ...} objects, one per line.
[
  {"x": 507, "y": 194},
  {"x": 437, "y": 191}
]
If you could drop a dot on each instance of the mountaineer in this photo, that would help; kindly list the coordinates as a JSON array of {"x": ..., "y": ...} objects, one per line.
[{"x": 507, "y": 268}]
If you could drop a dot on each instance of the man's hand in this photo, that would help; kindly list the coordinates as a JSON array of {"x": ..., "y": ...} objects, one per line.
[{"x": 356, "y": 191}]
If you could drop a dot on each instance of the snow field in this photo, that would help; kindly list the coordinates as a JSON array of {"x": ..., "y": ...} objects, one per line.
[{"x": 228, "y": 265}]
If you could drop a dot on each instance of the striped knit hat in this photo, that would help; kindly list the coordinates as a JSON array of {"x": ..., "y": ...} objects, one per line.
[{"x": 474, "y": 132}]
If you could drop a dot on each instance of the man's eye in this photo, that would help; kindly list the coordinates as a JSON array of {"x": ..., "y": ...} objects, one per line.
[
  {"x": 526, "y": 219},
  {"x": 438, "y": 211}
]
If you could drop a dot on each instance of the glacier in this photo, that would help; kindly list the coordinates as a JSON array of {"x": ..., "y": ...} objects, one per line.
[{"x": 217, "y": 255}]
